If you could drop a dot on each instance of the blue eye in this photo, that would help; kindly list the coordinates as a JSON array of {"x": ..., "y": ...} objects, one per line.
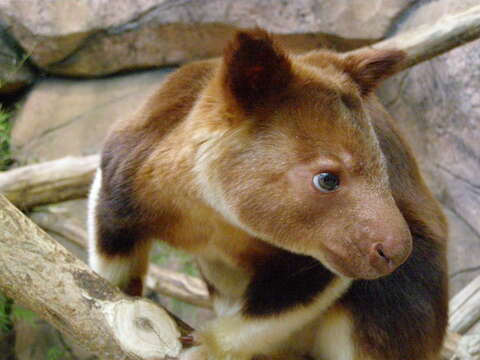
[{"x": 326, "y": 182}]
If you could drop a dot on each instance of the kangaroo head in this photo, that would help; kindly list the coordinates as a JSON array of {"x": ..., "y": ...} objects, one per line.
[{"x": 293, "y": 158}]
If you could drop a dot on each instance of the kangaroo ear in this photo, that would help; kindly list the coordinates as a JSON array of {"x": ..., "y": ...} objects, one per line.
[
  {"x": 370, "y": 67},
  {"x": 255, "y": 69}
]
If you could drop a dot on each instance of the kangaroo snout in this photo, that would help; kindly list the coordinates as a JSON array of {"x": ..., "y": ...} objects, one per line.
[
  {"x": 388, "y": 244},
  {"x": 385, "y": 256},
  {"x": 374, "y": 243}
]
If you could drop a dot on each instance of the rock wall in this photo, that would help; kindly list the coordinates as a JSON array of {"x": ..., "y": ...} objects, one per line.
[{"x": 436, "y": 103}]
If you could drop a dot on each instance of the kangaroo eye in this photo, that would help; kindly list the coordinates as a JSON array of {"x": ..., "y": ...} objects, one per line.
[{"x": 326, "y": 182}]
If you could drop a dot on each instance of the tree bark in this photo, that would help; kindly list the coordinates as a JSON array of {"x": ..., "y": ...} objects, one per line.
[{"x": 40, "y": 274}]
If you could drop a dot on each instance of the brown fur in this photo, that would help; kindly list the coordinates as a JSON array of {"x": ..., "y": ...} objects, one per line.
[{"x": 219, "y": 162}]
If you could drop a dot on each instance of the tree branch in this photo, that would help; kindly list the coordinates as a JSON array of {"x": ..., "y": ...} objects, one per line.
[
  {"x": 428, "y": 41},
  {"x": 49, "y": 182},
  {"x": 465, "y": 308},
  {"x": 40, "y": 274}
]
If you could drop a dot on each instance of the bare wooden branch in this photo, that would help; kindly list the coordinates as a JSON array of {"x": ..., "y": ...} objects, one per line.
[
  {"x": 465, "y": 308},
  {"x": 461, "y": 342},
  {"x": 59, "y": 224},
  {"x": 179, "y": 286},
  {"x": 49, "y": 182},
  {"x": 40, "y": 274},
  {"x": 166, "y": 282},
  {"x": 428, "y": 41}
]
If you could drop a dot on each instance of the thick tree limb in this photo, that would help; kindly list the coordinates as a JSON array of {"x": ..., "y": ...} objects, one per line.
[
  {"x": 163, "y": 281},
  {"x": 428, "y": 41},
  {"x": 39, "y": 273},
  {"x": 49, "y": 182}
]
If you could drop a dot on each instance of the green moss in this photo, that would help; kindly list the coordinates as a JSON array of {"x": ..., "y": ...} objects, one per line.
[
  {"x": 5, "y": 131},
  {"x": 10, "y": 311},
  {"x": 6, "y": 321},
  {"x": 55, "y": 353}
]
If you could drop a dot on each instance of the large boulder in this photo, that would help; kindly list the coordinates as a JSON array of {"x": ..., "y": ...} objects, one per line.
[
  {"x": 63, "y": 117},
  {"x": 95, "y": 37},
  {"x": 437, "y": 104}
]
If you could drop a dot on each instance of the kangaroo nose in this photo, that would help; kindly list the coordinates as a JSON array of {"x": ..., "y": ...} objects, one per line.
[
  {"x": 378, "y": 248},
  {"x": 380, "y": 260}
]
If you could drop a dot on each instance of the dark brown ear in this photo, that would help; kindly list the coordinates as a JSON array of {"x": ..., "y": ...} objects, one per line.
[
  {"x": 370, "y": 67},
  {"x": 256, "y": 69}
]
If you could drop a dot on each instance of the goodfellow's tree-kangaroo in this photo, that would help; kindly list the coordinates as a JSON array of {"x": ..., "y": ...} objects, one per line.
[{"x": 290, "y": 183}]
